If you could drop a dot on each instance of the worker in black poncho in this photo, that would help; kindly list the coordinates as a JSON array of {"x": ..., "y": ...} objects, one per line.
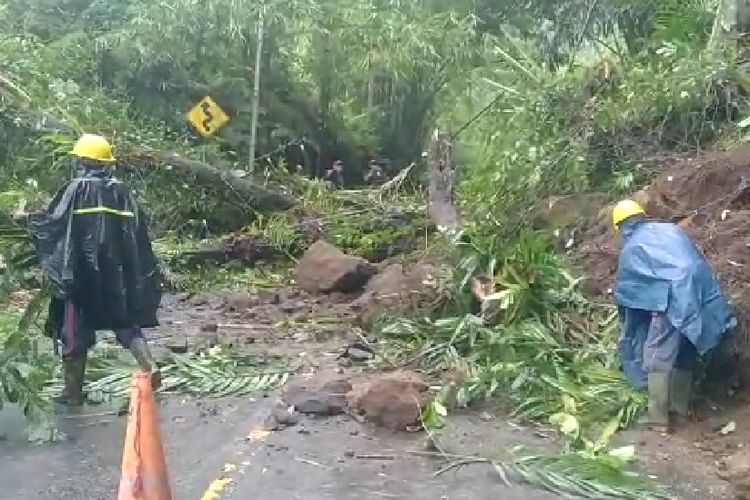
[{"x": 94, "y": 248}]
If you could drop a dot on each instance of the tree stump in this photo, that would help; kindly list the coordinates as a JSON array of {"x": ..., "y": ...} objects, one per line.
[{"x": 441, "y": 202}]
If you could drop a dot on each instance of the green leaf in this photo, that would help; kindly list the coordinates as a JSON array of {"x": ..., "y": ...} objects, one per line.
[
  {"x": 569, "y": 404},
  {"x": 440, "y": 409},
  {"x": 566, "y": 423},
  {"x": 624, "y": 453}
]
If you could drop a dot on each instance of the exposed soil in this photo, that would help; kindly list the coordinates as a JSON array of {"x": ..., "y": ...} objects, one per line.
[
  {"x": 709, "y": 197},
  {"x": 286, "y": 322}
]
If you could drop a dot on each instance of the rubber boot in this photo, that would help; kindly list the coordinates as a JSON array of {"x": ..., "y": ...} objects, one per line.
[
  {"x": 680, "y": 385},
  {"x": 74, "y": 372},
  {"x": 657, "y": 418},
  {"x": 142, "y": 354}
]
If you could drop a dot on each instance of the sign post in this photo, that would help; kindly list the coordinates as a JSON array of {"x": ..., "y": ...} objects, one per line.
[{"x": 256, "y": 95}]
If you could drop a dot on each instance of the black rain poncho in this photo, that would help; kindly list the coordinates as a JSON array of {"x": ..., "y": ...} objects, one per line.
[{"x": 94, "y": 247}]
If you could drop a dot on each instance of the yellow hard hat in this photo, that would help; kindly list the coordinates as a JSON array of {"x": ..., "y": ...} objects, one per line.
[
  {"x": 625, "y": 209},
  {"x": 93, "y": 147}
]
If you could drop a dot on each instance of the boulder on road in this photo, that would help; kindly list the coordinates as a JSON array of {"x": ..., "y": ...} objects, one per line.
[
  {"x": 281, "y": 416},
  {"x": 326, "y": 400},
  {"x": 326, "y": 269},
  {"x": 393, "y": 400},
  {"x": 398, "y": 291}
]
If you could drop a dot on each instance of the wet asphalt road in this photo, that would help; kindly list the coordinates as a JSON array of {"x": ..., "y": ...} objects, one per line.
[
  {"x": 336, "y": 458},
  {"x": 319, "y": 459}
]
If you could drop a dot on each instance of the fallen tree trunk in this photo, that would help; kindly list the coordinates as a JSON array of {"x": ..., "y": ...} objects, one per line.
[
  {"x": 248, "y": 191},
  {"x": 375, "y": 237},
  {"x": 244, "y": 249}
]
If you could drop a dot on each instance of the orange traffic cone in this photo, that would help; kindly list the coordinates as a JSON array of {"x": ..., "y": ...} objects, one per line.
[{"x": 144, "y": 470}]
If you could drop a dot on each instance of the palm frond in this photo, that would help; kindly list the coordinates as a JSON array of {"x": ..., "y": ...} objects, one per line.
[
  {"x": 213, "y": 374},
  {"x": 24, "y": 371},
  {"x": 542, "y": 343},
  {"x": 569, "y": 475},
  {"x": 585, "y": 479}
]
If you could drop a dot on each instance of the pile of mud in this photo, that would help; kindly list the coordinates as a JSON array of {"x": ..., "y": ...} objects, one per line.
[{"x": 709, "y": 197}]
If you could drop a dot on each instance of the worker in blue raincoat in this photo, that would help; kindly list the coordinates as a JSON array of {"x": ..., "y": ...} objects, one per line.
[{"x": 671, "y": 308}]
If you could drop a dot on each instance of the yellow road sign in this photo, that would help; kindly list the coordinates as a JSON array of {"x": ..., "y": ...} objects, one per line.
[{"x": 207, "y": 117}]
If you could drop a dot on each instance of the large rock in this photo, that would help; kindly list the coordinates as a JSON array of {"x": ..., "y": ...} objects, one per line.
[
  {"x": 399, "y": 292},
  {"x": 280, "y": 416},
  {"x": 325, "y": 269},
  {"x": 325, "y": 400},
  {"x": 393, "y": 401}
]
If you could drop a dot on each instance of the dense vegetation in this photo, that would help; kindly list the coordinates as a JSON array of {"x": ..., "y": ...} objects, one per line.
[
  {"x": 542, "y": 98},
  {"x": 579, "y": 99}
]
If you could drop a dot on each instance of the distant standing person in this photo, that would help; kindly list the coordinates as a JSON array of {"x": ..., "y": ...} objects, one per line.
[
  {"x": 94, "y": 247},
  {"x": 375, "y": 173},
  {"x": 335, "y": 175},
  {"x": 671, "y": 309}
]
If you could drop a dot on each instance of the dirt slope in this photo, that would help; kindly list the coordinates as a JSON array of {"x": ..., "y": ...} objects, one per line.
[{"x": 710, "y": 198}]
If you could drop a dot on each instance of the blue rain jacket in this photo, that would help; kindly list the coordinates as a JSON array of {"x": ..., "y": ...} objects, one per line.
[
  {"x": 635, "y": 325},
  {"x": 661, "y": 270}
]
